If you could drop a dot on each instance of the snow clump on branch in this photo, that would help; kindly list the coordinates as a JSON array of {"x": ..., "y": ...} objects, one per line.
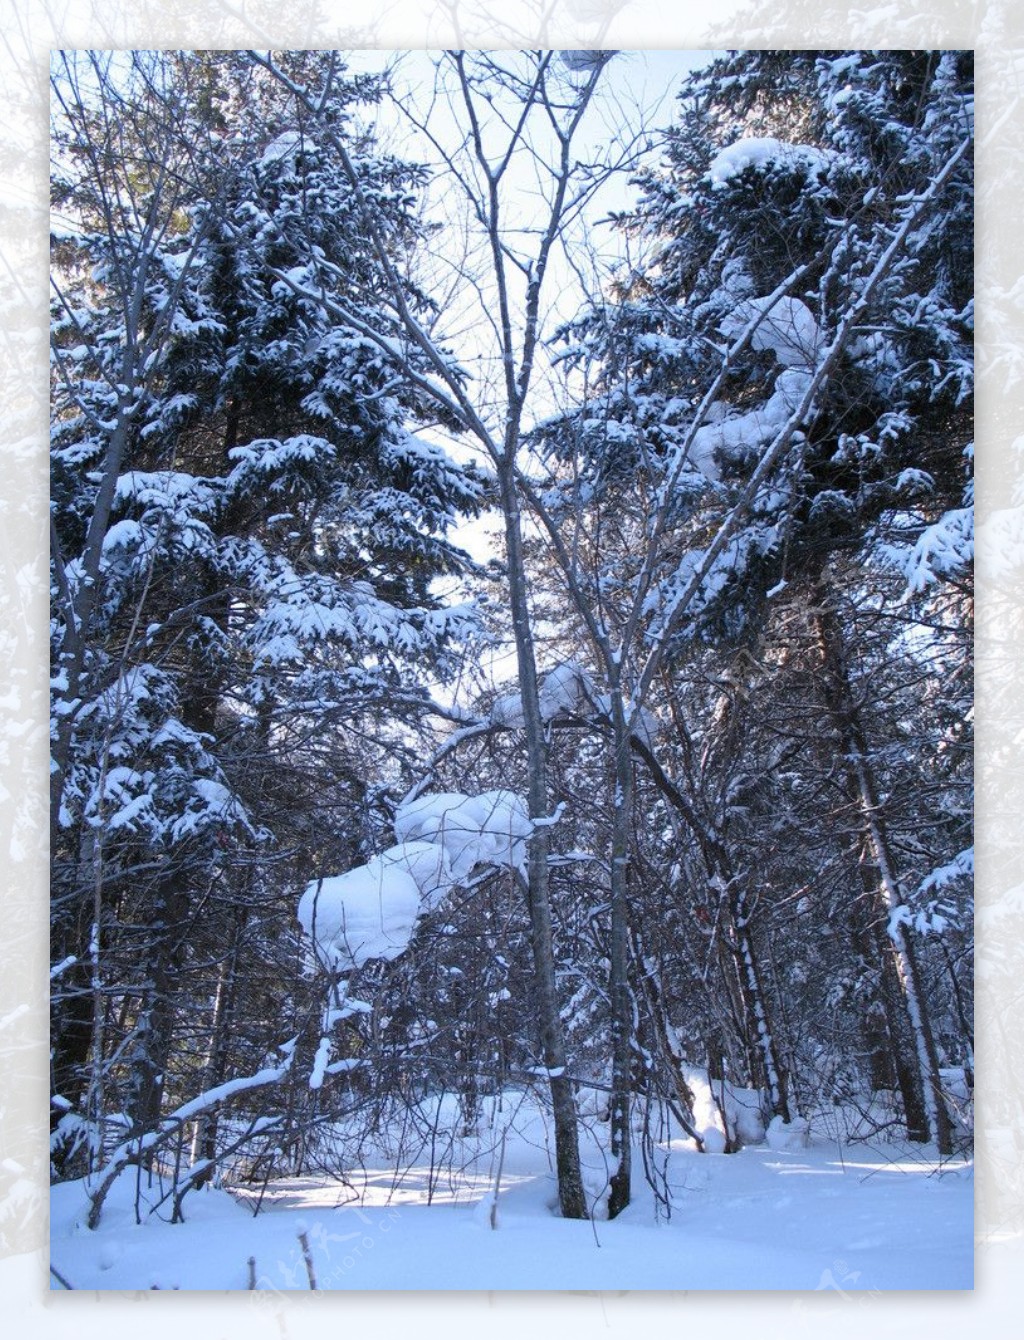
[
  {"x": 489, "y": 829},
  {"x": 757, "y": 152},
  {"x": 371, "y": 912},
  {"x": 367, "y": 913},
  {"x": 787, "y": 328}
]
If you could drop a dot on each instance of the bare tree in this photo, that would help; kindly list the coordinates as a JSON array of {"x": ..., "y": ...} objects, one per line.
[{"x": 511, "y": 115}]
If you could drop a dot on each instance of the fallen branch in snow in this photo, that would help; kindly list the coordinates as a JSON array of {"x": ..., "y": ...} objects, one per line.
[
  {"x": 132, "y": 1150},
  {"x": 200, "y": 1173}
]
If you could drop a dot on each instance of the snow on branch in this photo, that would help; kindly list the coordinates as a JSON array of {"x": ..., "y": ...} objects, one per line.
[
  {"x": 761, "y": 153},
  {"x": 944, "y": 549},
  {"x": 132, "y": 1150},
  {"x": 371, "y": 912}
]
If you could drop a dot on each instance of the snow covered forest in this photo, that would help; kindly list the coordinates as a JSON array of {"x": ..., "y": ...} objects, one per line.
[{"x": 511, "y": 630}]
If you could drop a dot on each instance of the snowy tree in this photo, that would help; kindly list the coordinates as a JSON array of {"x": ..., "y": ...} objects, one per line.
[
  {"x": 245, "y": 533},
  {"x": 719, "y": 816},
  {"x": 791, "y": 364},
  {"x": 510, "y": 113}
]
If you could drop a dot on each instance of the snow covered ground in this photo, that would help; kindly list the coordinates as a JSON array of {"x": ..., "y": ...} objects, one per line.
[{"x": 846, "y": 1220}]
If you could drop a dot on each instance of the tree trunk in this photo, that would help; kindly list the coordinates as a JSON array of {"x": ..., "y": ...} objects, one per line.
[
  {"x": 158, "y": 1011},
  {"x": 884, "y": 1025},
  {"x": 204, "y": 1140},
  {"x": 621, "y": 1005},
  {"x": 760, "y": 1034},
  {"x": 853, "y": 746},
  {"x": 571, "y": 1196}
]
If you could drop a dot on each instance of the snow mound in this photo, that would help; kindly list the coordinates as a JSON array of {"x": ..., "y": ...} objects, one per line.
[
  {"x": 422, "y": 819},
  {"x": 714, "y": 1140},
  {"x": 568, "y": 690},
  {"x": 745, "y": 1113},
  {"x": 737, "y": 436},
  {"x": 371, "y": 912},
  {"x": 788, "y": 1135},
  {"x": 565, "y": 688},
  {"x": 427, "y": 864},
  {"x": 508, "y": 711},
  {"x": 367, "y": 913},
  {"x": 286, "y": 145},
  {"x": 741, "y": 1108},
  {"x": 788, "y": 328}
]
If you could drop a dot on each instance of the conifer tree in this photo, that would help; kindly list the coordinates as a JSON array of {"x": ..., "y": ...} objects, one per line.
[
  {"x": 246, "y": 534},
  {"x": 784, "y": 381}
]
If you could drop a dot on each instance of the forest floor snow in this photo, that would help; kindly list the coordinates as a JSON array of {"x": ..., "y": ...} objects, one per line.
[{"x": 856, "y": 1218}]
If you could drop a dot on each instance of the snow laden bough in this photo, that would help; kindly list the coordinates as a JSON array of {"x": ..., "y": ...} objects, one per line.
[
  {"x": 371, "y": 912},
  {"x": 567, "y": 692}
]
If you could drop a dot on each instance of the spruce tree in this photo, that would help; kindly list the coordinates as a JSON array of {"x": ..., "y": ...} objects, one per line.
[{"x": 246, "y": 537}]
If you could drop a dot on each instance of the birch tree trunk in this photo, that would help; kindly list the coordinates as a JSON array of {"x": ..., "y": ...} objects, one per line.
[
  {"x": 846, "y": 716},
  {"x": 571, "y": 1198}
]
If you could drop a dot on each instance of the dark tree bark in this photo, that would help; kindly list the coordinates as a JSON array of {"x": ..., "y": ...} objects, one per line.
[{"x": 619, "y": 992}]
